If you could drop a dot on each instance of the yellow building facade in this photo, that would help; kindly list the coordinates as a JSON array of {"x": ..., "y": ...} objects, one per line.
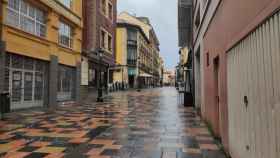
[
  {"x": 134, "y": 52},
  {"x": 120, "y": 72},
  {"x": 43, "y": 40}
]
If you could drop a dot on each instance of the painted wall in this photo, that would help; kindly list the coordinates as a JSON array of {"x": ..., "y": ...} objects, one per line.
[
  {"x": 206, "y": 9},
  {"x": 232, "y": 22},
  {"x": 121, "y": 55}
]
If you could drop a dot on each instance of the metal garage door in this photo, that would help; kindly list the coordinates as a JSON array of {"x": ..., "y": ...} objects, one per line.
[{"x": 254, "y": 93}]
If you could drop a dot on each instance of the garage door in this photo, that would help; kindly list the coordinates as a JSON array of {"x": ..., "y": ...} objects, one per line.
[{"x": 254, "y": 93}]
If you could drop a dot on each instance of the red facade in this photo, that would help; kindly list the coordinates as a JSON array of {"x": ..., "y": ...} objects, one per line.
[{"x": 94, "y": 22}]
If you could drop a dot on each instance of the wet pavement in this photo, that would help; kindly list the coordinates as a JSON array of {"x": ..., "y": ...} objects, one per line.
[{"x": 149, "y": 124}]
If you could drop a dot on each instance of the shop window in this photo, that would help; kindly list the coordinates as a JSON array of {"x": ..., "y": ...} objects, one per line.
[
  {"x": 65, "y": 35},
  {"x": 65, "y": 77},
  {"x": 26, "y": 17},
  {"x": 17, "y": 62},
  {"x": 92, "y": 77},
  {"x": 28, "y": 64}
]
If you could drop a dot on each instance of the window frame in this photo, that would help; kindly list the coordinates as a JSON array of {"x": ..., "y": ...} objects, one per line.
[
  {"x": 70, "y": 35},
  {"x": 105, "y": 10},
  {"x": 19, "y": 24},
  {"x": 110, "y": 15},
  {"x": 110, "y": 43},
  {"x": 105, "y": 45}
]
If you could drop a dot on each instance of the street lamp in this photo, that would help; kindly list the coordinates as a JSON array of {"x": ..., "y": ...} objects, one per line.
[{"x": 99, "y": 52}]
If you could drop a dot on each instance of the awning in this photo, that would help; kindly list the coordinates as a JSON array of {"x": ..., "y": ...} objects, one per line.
[{"x": 145, "y": 75}]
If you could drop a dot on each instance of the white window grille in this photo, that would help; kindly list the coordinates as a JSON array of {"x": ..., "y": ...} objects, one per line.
[
  {"x": 26, "y": 17},
  {"x": 65, "y": 35}
]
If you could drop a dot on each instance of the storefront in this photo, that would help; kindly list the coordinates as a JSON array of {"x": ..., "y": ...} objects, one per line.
[
  {"x": 132, "y": 77},
  {"x": 65, "y": 83},
  {"x": 25, "y": 80}
]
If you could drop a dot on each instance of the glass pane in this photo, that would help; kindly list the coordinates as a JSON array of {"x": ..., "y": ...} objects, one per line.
[
  {"x": 12, "y": 18},
  {"x": 28, "y": 81},
  {"x": 27, "y": 24},
  {"x": 39, "y": 66},
  {"x": 40, "y": 16},
  {"x": 23, "y": 7},
  {"x": 65, "y": 34},
  {"x": 16, "y": 86},
  {"x": 14, "y": 4},
  {"x": 31, "y": 12},
  {"x": 40, "y": 30},
  {"x": 7, "y": 60},
  {"x": 7, "y": 80},
  {"x": 38, "y": 95},
  {"x": 17, "y": 62},
  {"x": 28, "y": 64}
]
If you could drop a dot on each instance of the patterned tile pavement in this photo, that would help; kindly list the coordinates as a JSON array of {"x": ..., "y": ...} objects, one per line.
[{"x": 149, "y": 124}]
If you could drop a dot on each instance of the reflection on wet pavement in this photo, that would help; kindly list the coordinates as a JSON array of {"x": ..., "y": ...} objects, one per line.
[{"x": 149, "y": 124}]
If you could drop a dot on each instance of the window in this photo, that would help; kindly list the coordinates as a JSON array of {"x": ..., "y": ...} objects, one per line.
[
  {"x": 65, "y": 77},
  {"x": 131, "y": 55},
  {"x": 110, "y": 9},
  {"x": 106, "y": 40},
  {"x": 65, "y": 35},
  {"x": 106, "y": 8},
  {"x": 26, "y": 17},
  {"x": 103, "y": 39},
  {"x": 92, "y": 77},
  {"x": 131, "y": 35},
  {"x": 103, "y": 7},
  {"x": 67, "y": 3},
  {"x": 110, "y": 43}
]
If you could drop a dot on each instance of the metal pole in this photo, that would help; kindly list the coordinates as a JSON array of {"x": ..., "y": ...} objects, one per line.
[{"x": 99, "y": 89}]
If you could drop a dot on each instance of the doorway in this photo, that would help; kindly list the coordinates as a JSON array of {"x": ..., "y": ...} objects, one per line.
[
  {"x": 217, "y": 95},
  {"x": 131, "y": 81},
  {"x": 26, "y": 82}
]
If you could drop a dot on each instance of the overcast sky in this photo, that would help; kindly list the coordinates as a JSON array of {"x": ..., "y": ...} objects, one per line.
[{"x": 163, "y": 16}]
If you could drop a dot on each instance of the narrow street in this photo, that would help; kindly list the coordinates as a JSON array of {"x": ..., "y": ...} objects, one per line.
[{"x": 147, "y": 124}]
